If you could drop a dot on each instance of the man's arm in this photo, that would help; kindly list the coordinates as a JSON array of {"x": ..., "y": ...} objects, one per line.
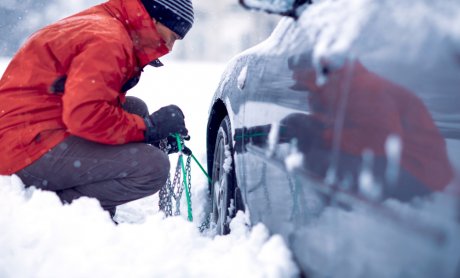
[{"x": 91, "y": 107}]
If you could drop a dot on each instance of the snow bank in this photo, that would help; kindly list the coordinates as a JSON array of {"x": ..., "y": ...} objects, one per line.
[{"x": 42, "y": 238}]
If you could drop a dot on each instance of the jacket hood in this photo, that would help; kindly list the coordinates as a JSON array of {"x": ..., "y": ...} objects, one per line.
[{"x": 148, "y": 44}]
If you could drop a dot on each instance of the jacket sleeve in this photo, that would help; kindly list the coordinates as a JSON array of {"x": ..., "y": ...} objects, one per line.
[{"x": 91, "y": 108}]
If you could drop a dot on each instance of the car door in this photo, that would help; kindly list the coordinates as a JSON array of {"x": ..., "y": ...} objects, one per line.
[{"x": 274, "y": 136}]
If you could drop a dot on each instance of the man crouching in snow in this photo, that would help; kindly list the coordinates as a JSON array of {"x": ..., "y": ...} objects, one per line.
[{"x": 65, "y": 122}]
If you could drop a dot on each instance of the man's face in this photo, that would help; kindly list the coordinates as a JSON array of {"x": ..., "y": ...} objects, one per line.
[{"x": 166, "y": 34}]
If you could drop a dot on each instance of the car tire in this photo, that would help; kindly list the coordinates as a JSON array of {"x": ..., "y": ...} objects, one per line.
[{"x": 223, "y": 185}]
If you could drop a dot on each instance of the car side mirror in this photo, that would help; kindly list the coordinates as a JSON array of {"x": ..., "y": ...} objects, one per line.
[{"x": 281, "y": 7}]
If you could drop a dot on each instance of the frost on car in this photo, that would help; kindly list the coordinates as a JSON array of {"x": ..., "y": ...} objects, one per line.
[{"x": 346, "y": 135}]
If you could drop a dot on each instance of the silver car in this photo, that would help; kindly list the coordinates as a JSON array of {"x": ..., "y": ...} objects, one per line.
[{"x": 341, "y": 133}]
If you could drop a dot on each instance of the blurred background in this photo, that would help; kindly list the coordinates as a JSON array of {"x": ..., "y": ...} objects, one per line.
[{"x": 222, "y": 27}]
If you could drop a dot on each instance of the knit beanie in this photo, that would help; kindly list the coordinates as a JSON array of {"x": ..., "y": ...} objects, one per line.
[{"x": 177, "y": 15}]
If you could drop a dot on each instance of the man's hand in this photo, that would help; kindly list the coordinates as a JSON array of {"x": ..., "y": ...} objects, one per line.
[{"x": 164, "y": 122}]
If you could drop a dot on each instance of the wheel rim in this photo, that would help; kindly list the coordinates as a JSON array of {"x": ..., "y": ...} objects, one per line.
[{"x": 220, "y": 189}]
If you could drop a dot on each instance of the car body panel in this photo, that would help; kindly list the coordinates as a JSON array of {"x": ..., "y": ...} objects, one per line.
[{"x": 348, "y": 145}]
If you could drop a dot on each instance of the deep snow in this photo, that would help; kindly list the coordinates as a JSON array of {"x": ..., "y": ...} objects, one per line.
[{"x": 42, "y": 238}]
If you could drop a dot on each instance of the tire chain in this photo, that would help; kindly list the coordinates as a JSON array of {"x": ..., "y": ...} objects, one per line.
[{"x": 173, "y": 189}]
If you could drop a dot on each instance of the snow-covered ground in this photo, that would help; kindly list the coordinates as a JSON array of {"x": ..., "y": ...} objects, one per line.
[{"x": 40, "y": 237}]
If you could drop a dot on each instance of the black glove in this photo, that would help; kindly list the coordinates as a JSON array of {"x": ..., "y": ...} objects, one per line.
[{"x": 160, "y": 124}]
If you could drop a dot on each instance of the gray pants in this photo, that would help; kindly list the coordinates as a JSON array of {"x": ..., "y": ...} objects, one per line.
[{"x": 113, "y": 174}]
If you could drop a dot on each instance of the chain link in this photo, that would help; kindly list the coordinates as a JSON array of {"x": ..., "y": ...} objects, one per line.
[
  {"x": 165, "y": 191},
  {"x": 188, "y": 170},
  {"x": 206, "y": 224},
  {"x": 177, "y": 188},
  {"x": 164, "y": 202}
]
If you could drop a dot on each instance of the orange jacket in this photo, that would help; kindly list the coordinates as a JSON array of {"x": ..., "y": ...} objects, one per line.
[{"x": 96, "y": 51}]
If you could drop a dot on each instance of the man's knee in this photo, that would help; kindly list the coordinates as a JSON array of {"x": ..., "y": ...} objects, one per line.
[
  {"x": 161, "y": 166},
  {"x": 156, "y": 170}
]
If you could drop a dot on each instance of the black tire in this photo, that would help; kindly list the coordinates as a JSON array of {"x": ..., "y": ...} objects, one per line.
[{"x": 223, "y": 185}]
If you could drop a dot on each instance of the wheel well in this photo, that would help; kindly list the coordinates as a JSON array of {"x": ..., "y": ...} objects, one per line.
[{"x": 217, "y": 114}]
